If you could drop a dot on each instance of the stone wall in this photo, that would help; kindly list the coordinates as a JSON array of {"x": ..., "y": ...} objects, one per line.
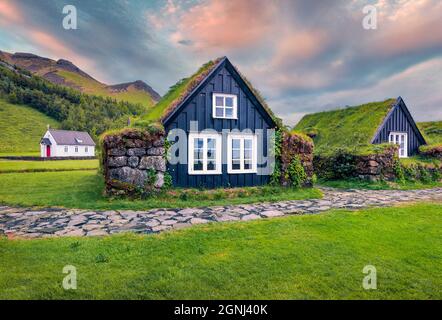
[
  {"x": 133, "y": 160},
  {"x": 296, "y": 145},
  {"x": 370, "y": 167}
]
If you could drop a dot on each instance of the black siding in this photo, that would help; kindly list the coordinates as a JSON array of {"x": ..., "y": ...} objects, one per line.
[
  {"x": 399, "y": 121},
  {"x": 200, "y": 109}
]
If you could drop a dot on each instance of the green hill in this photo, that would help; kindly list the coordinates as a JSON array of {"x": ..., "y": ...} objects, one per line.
[
  {"x": 65, "y": 73},
  {"x": 21, "y": 128},
  {"x": 432, "y": 131}
]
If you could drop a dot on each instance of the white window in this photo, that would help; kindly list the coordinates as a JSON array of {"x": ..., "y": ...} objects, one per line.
[
  {"x": 224, "y": 106},
  {"x": 401, "y": 139},
  {"x": 76, "y": 149},
  {"x": 86, "y": 149},
  {"x": 66, "y": 149},
  {"x": 204, "y": 153},
  {"x": 241, "y": 153}
]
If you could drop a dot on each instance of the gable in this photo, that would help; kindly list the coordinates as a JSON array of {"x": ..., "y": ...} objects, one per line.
[
  {"x": 224, "y": 79},
  {"x": 399, "y": 119},
  {"x": 66, "y": 137},
  {"x": 187, "y": 89}
]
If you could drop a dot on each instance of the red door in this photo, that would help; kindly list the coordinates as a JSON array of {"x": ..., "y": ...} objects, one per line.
[{"x": 48, "y": 151}]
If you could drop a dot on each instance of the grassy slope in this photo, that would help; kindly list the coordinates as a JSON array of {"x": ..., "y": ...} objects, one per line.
[
  {"x": 347, "y": 127},
  {"x": 23, "y": 166},
  {"x": 299, "y": 257},
  {"x": 83, "y": 189},
  {"x": 432, "y": 131},
  {"x": 21, "y": 128},
  {"x": 96, "y": 88}
]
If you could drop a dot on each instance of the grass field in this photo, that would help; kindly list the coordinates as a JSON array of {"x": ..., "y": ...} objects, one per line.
[
  {"x": 299, "y": 257},
  {"x": 7, "y": 166},
  {"x": 84, "y": 189},
  {"x": 21, "y": 129}
]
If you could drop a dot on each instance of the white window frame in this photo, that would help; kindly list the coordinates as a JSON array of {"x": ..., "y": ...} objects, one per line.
[
  {"x": 242, "y": 137},
  {"x": 235, "y": 105},
  {"x": 66, "y": 149},
  {"x": 218, "y": 155},
  {"x": 392, "y": 139},
  {"x": 86, "y": 149},
  {"x": 76, "y": 149}
]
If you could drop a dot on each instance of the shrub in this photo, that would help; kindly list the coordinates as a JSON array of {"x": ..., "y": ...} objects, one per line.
[{"x": 296, "y": 173}]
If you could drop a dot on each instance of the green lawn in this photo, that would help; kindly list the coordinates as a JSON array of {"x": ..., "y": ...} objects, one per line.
[
  {"x": 84, "y": 189},
  {"x": 380, "y": 185},
  {"x": 21, "y": 129},
  {"x": 299, "y": 257},
  {"x": 32, "y": 166}
]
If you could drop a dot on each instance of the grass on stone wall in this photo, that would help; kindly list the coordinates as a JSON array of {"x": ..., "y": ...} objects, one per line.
[{"x": 299, "y": 257}]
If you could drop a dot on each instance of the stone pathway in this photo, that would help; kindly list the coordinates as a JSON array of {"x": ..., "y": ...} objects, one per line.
[{"x": 29, "y": 223}]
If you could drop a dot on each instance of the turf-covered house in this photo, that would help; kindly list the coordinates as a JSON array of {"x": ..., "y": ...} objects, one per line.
[
  {"x": 219, "y": 98},
  {"x": 354, "y": 128}
]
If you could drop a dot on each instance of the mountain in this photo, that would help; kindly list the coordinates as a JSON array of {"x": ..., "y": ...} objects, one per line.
[{"x": 65, "y": 73}]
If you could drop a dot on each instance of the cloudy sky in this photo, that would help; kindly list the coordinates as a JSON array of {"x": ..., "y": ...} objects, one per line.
[{"x": 304, "y": 56}]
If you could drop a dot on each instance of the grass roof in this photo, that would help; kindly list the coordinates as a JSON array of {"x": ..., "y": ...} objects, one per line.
[
  {"x": 347, "y": 128},
  {"x": 432, "y": 131},
  {"x": 179, "y": 92}
]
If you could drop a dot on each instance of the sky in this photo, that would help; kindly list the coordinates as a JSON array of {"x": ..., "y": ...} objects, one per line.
[{"x": 303, "y": 56}]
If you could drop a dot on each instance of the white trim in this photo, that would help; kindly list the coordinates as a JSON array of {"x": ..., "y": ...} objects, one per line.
[
  {"x": 395, "y": 137},
  {"x": 218, "y": 156},
  {"x": 234, "y": 106},
  {"x": 242, "y": 137}
]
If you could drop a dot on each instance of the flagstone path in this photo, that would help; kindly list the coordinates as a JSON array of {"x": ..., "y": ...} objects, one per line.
[{"x": 33, "y": 223}]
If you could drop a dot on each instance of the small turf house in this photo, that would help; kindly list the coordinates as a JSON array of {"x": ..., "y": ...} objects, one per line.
[
  {"x": 65, "y": 143},
  {"x": 219, "y": 98},
  {"x": 389, "y": 121}
]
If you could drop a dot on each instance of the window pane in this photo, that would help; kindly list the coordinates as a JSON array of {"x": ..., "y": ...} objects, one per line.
[
  {"x": 235, "y": 154},
  {"x": 248, "y": 164},
  {"x": 236, "y": 143},
  {"x": 219, "y": 112},
  {"x": 198, "y": 155},
  {"x": 236, "y": 165},
  {"x": 211, "y": 165},
  {"x": 198, "y": 165},
  {"x": 229, "y": 112},
  {"x": 211, "y": 143},
  {"x": 247, "y": 154},
  {"x": 247, "y": 143},
  {"x": 219, "y": 101},
  {"x": 211, "y": 154},
  {"x": 198, "y": 143},
  {"x": 229, "y": 102}
]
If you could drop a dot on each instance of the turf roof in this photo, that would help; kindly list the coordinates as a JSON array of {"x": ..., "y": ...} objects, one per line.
[
  {"x": 432, "y": 131},
  {"x": 349, "y": 128},
  {"x": 183, "y": 88}
]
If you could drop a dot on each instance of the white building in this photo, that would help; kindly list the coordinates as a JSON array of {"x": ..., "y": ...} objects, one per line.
[{"x": 65, "y": 143}]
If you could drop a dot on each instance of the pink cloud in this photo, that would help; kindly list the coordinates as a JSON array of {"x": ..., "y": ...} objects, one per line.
[
  {"x": 227, "y": 24},
  {"x": 9, "y": 13},
  {"x": 298, "y": 46},
  {"x": 410, "y": 27}
]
